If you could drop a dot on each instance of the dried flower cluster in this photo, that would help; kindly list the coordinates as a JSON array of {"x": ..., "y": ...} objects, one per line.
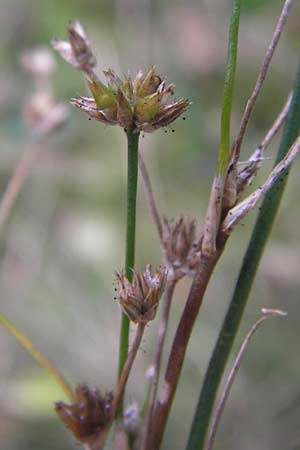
[
  {"x": 180, "y": 246},
  {"x": 139, "y": 299},
  {"x": 139, "y": 104},
  {"x": 88, "y": 416}
]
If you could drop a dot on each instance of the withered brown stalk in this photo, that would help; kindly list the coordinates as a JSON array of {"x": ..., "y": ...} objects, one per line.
[
  {"x": 162, "y": 331},
  {"x": 280, "y": 119},
  {"x": 236, "y": 214},
  {"x": 127, "y": 368},
  {"x": 180, "y": 342},
  {"x": 16, "y": 182},
  {"x": 261, "y": 77},
  {"x": 196, "y": 294},
  {"x": 267, "y": 314},
  {"x": 150, "y": 197}
]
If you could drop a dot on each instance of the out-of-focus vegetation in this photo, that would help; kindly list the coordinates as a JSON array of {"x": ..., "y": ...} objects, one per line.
[{"x": 65, "y": 238}]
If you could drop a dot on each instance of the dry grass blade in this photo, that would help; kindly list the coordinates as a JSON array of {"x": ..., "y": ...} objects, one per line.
[{"x": 261, "y": 76}]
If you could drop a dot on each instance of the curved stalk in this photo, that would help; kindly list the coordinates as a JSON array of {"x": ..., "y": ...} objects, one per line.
[
  {"x": 262, "y": 75},
  {"x": 162, "y": 332},
  {"x": 132, "y": 177},
  {"x": 127, "y": 368},
  {"x": 244, "y": 283},
  {"x": 180, "y": 343},
  {"x": 267, "y": 314},
  {"x": 37, "y": 355}
]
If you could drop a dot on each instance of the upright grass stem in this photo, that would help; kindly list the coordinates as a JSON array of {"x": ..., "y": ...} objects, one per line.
[
  {"x": 224, "y": 152},
  {"x": 214, "y": 210},
  {"x": 132, "y": 177},
  {"x": 244, "y": 283}
]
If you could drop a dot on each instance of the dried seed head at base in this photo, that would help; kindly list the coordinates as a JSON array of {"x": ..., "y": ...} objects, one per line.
[
  {"x": 181, "y": 247},
  {"x": 139, "y": 104},
  {"x": 88, "y": 417},
  {"x": 139, "y": 299}
]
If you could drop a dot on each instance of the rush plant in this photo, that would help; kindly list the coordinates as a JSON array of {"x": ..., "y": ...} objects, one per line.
[{"x": 142, "y": 104}]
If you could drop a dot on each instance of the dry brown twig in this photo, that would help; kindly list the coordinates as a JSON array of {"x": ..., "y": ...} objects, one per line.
[
  {"x": 162, "y": 331},
  {"x": 150, "y": 197},
  {"x": 248, "y": 173},
  {"x": 127, "y": 368},
  {"x": 210, "y": 258},
  {"x": 236, "y": 214},
  {"x": 261, "y": 77},
  {"x": 219, "y": 200}
]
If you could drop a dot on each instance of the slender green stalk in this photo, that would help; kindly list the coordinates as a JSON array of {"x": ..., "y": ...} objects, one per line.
[
  {"x": 244, "y": 283},
  {"x": 37, "y": 355},
  {"x": 214, "y": 210},
  {"x": 224, "y": 152},
  {"x": 132, "y": 177}
]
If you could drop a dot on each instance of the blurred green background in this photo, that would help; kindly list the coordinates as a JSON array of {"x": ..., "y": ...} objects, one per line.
[{"x": 65, "y": 237}]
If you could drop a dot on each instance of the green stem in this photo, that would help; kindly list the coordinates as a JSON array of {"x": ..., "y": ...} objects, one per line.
[
  {"x": 224, "y": 152},
  {"x": 214, "y": 210},
  {"x": 244, "y": 283},
  {"x": 132, "y": 177}
]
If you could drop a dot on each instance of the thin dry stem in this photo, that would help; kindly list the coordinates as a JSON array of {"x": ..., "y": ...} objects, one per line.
[
  {"x": 261, "y": 76},
  {"x": 150, "y": 197},
  {"x": 236, "y": 214},
  {"x": 127, "y": 368},
  {"x": 180, "y": 343},
  {"x": 267, "y": 313},
  {"x": 277, "y": 124},
  {"x": 16, "y": 181},
  {"x": 162, "y": 331},
  {"x": 254, "y": 163}
]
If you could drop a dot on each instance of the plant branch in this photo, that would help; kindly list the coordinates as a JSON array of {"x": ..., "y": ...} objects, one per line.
[
  {"x": 244, "y": 283},
  {"x": 180, "y": 343},
  {"x": 38, "y": 356},
  {"x": 162, "y": 331},
  {"x": 132, "y": 177},
  {"x": 267, "y": 314},
  {"x": 17, "y": 180},
  {"x": 280, "y": 119},
  {"x": 127, "y": 368},
  {"x": 236, "y": 214},
  {"x": 246, "y": 175},
  {"x": 261, "y": 76},
  {"x": 150, "y": 197}
]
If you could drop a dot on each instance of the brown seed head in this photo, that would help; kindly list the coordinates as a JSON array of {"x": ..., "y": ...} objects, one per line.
[
  {"x": 88, "y": 417},
  {"x": 77, "y": 51},
  {"x": 139, "y": 299},
  {"x": 180, "y": 245}
]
